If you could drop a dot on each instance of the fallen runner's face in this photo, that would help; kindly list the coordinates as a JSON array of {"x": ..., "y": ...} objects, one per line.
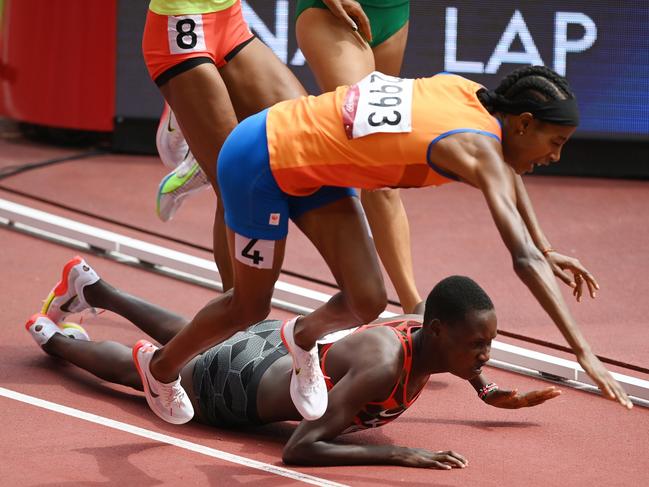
[{"x": 470, "y": 343}]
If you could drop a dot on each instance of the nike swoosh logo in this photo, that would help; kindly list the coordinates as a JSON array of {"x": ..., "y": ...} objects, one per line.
[
  {"x": 64, "y": 306},
  {"x": 169, "y": 127},
  {"x": 153, "y": 394}
]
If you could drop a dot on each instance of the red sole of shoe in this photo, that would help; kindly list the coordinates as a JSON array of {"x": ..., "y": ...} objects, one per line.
[{"x": 62, "y": 287}]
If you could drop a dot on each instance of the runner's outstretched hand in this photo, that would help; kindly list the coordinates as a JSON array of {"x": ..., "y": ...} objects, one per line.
[
  {"x": 514, "y": 400},
  {"x": 562, "y": 266},
  {"x": 610, "y": 388}
]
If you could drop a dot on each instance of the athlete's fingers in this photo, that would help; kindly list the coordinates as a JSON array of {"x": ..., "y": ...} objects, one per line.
[
  {"x": 578, "y": 289},
  {"x": 620, "y": 395},
  {"x": 338, "y": 10},
  {"x": 592, "y": 285},
  {"x": 461, "y": 458},
  {"x": 592, "y": 278},
  {"x": 607, "y": 390},
  {"x": 580, "y": 270},
  {"x": 356, "y": 11},
  {"x": 535, "y": 398},
  {"x": 451, "y": 458},
  {"x": 563, "y": 275},
  {"x": 351, "y": 12}
]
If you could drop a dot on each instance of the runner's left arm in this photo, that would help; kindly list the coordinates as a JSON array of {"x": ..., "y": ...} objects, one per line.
[
  {"x": 561, "y": 264},
  {"x": 496, "y": 181}
]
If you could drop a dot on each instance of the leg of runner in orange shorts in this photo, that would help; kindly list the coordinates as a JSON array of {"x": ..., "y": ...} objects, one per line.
[{"x": 207, "y": 110}]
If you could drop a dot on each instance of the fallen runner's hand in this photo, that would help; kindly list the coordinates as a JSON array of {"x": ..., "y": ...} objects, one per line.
[
  {"x": 419, "y": 457},
  {"x": 514, "y": 400}
]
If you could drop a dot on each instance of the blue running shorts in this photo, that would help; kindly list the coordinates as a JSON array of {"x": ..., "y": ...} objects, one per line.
[{"x": 255, "y": 206}]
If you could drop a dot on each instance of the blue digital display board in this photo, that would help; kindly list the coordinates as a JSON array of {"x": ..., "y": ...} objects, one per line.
[{"x": 601, "y": 47}]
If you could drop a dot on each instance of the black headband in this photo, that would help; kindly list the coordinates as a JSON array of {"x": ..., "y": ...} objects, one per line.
[{"x": 560, "y": 112}]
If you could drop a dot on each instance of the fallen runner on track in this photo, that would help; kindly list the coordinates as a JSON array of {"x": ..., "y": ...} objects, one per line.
[{"x": 374, "y": 372}]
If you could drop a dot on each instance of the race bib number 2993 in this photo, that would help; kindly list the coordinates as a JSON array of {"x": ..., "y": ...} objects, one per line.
[{"x": 378, "y": 104}]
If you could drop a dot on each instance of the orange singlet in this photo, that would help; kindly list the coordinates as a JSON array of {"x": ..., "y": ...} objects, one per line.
[{"x": 310, "y": 144}]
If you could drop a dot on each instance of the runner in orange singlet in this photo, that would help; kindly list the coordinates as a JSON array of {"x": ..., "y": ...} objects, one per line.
[
  {"x": 298, "y": 158},
  {"x": 311, "y": 145}
]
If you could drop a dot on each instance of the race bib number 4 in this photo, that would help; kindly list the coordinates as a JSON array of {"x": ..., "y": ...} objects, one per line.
[
  {"x": 254, "y": 252},
  {"x": 378, "y": 104}
]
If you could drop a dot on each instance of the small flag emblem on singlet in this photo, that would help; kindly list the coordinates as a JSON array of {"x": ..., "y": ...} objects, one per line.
[{"x": 274, "y": 219}]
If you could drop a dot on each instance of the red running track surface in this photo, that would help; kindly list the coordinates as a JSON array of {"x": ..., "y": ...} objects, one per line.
[
  {"x": 603, "y": 222},
  {"x": 577, "y": 439}
]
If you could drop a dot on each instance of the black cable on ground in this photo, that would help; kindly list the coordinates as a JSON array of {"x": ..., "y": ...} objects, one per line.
[{"x": 9, "y": 171}]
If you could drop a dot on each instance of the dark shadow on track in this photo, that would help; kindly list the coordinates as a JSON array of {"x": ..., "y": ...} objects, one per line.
[
  {"x": 481, "y": 425},
  {"x": 113, "y": 462}
]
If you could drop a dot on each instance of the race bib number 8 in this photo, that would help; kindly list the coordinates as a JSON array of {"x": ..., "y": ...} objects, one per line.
[
  {"x": 185, "y": 34},
  {"x": 378, "y": 104}
]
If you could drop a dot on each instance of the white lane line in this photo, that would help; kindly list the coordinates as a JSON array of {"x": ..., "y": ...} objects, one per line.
[{"x": 170, "y": 440}]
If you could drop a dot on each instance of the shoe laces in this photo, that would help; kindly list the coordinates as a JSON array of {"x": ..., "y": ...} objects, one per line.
[
  {"x": 312, "y": 369},
  {"x": 171, "y": 394}
]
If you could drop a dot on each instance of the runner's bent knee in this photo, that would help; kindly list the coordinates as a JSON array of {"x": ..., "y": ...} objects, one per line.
[
  {"x": 368, "y": 300},
  {"x": 251, "y": 309}
]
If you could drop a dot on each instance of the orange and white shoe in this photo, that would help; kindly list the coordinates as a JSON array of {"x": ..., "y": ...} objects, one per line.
[
  {"x": 308, "y": 388},
  {"x": 41, "y": 328},
  {"x": 170, "y": 141},
  {"x": 67, "y": 296},
  {"x": 167, "y": 401}
]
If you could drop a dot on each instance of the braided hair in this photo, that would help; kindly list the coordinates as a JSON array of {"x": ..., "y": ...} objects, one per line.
[{"x": 531, "y": 85}]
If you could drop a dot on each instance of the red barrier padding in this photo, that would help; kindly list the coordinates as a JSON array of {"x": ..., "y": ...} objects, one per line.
[{"x": 57, "y": 63}]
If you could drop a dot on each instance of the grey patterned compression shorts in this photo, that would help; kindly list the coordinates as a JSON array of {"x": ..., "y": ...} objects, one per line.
[{"x": 226, "y": 377}]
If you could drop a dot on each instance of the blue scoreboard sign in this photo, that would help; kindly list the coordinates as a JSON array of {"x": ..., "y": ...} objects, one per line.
[{"x": 601, "y": 47}]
